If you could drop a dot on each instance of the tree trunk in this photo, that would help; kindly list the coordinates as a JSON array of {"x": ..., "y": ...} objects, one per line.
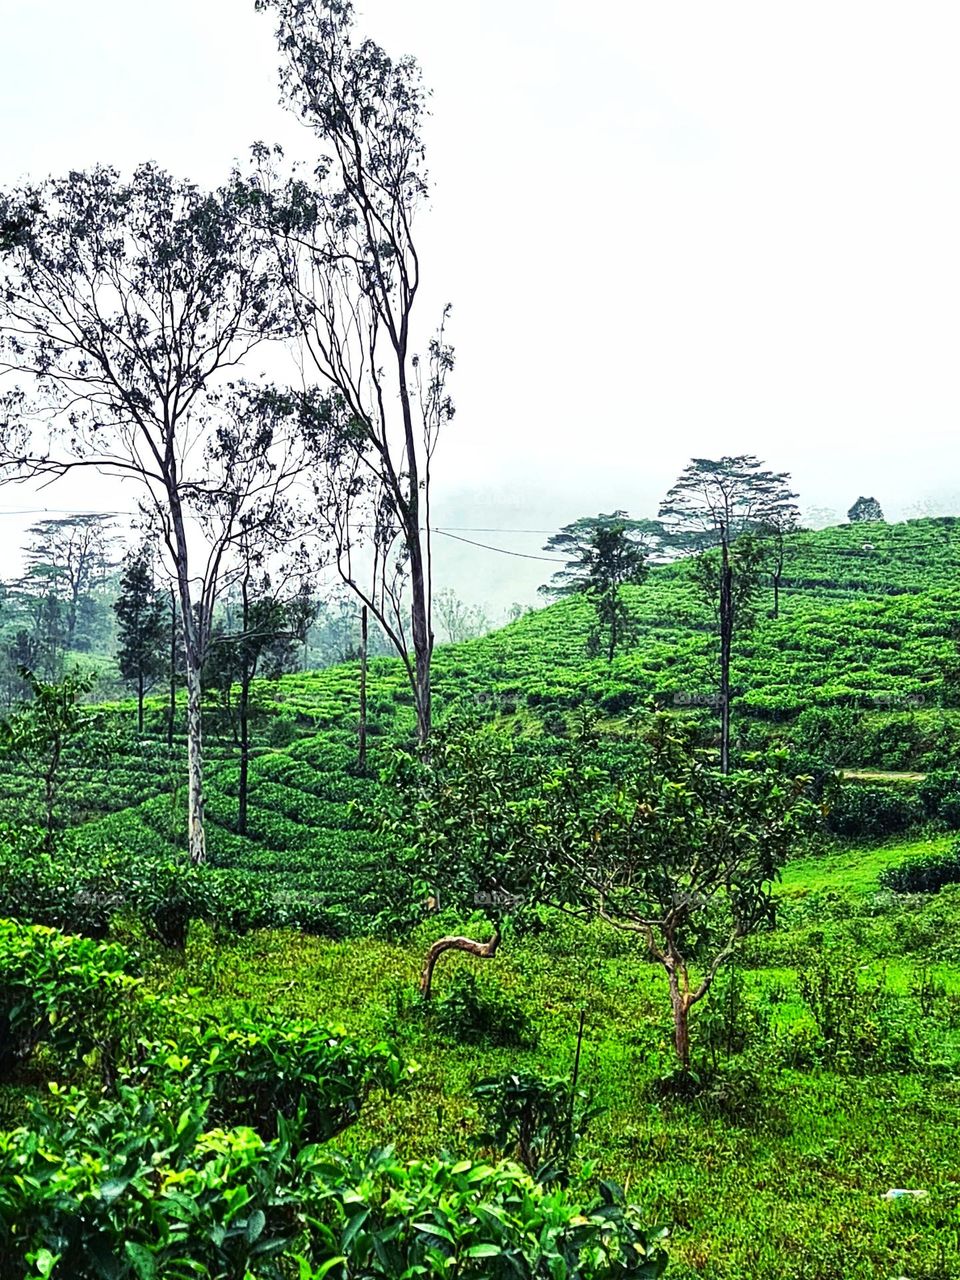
[
  {"x": 244, "y": 714},
  {"x": 140, "y": 701},
  {"x": 726, "y": 645},
  {"x": 681, "y": 1031},
  {"x": 173, "y": 668},
  {"x": 422, "y": 649},
  {"x": 485, "y": 950},
  {"x": 196, "y": 841},
  {"x": 244, "y": 708},
  {"x": 362, "y": 733},
  {"x": 776, "y": 595},
  {"x": 680, "y": 1003}
]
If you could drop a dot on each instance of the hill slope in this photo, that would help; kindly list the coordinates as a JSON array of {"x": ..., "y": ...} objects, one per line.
[{"x": 867, "y": 614}]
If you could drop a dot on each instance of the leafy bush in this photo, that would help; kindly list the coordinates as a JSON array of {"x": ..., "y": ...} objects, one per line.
[
  {"x": 257, "y": 1072},
  {"x": 874, "y": 811},
  {"x": 168, "y": 896},
  {"x": 939, "y": 794},
  {"x": 66, "y": 991},
  {"x": 860, "y": 1024},
  {"x": 67, "y": 889},
  {"x": 126, "y": 1192},
  {"x": 925, "y": 874},
  {"x": 434, "y": 1218},
  {"x": 123, "y": 1191},
  {"x": 538, "y": 1120},
  {"x": 472, "y": 1015}
]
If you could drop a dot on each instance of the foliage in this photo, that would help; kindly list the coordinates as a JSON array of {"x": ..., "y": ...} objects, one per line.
[
  {"x": 865, "y": 509},
  {"x": 471, "y": 1014},
  {"x": 264, "y": 1071},
  {"x": 537, "y": 1120},
  {"x": 925, "y": 874},
  {"x": 142, "y": 629},
  {"x": 64, "y": 991},
  {"x": 485, "y": 1222},
  {"x": 873, "y": 811},
  {"x": 41, "y": 731},
  {"x": 169, "y": 896},
  {"x": 858, "y": 1028},
  {"x": 604, "y": 553},
  {"x": 126, "y": 1191}
]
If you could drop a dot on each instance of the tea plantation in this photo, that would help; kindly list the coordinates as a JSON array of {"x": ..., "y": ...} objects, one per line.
[{"x": 247, "y": 1083}]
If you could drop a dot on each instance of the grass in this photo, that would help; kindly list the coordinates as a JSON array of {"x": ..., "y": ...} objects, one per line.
[{"x": 854, "y": 869}]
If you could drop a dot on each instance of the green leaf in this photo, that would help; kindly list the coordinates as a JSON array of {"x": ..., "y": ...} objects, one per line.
[
  {"x": 143, "y": 1261},
  {"x": 353, "y": 1226},
  {"x": 255, "y": 1224},
  {"x": 483, "y": 1251}
]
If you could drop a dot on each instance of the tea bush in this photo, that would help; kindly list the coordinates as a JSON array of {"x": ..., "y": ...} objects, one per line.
[
  {"x": 874, "y": 812},
  {"x": 926, "y": 874},
  {"x": 473, "y": 1014},
  {"x": 68, "y": 992},
  {"x": 263, "y": 1070},
  {"x": 122, "y": 1190}
]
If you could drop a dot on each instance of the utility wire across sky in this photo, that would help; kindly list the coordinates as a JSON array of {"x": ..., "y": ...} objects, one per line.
[{"x": 450, "y": 531}]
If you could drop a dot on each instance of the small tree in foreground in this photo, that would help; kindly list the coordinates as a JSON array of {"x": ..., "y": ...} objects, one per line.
[{"x": 678, "y": 853}]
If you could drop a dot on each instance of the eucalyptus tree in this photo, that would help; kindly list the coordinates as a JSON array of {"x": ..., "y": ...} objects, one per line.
[
  {"x": 460, "y": 621},
  {"x": 125, "y": 308},
  {"x": 780, "y": 521},
  {"x": 604, "y": 553},
  {"x": 269, "y": 623},
  {"x": 711, "y": 505},
  {"x": 351, "y": 266}
]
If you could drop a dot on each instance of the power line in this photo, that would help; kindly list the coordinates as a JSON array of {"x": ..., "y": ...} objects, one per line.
[
  {"x": 447, "y": 532},
  {"x": 521, "y": 555}
]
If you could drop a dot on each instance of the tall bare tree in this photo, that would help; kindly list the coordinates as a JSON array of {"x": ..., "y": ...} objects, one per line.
[
  {"x": 345, "y": 239},
  {"x": 711, "y": 505},
  {"x": 125, "y": 307}
]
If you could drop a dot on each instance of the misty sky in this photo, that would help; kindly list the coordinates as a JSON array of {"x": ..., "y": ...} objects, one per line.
[{"x": 667, "y": 229}]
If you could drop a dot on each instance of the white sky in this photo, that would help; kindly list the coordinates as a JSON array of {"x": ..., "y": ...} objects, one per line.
[{"x": 668, "y": 229}]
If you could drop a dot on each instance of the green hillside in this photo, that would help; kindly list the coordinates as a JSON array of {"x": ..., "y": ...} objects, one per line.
[{"x": 866, "y": 623}]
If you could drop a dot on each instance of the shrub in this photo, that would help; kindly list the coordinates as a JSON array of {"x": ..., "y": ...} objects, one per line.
[
  {"x": 66, "y": 991},
  {"x": 435, "y": 1218},
  {"x": 474, "y": 1016},
  {"x": 859, "y": 1022},
  {"x": 255, "y": 1072},
  {"x": 925, "y": 874},
  {"x": 538, "y": 1120},
  {"x": 873, "y": 811},
  {"x": 123, "y": 1191},
  {"x": 69, "y": 889},
  {"x": 168, "y": 896}
]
